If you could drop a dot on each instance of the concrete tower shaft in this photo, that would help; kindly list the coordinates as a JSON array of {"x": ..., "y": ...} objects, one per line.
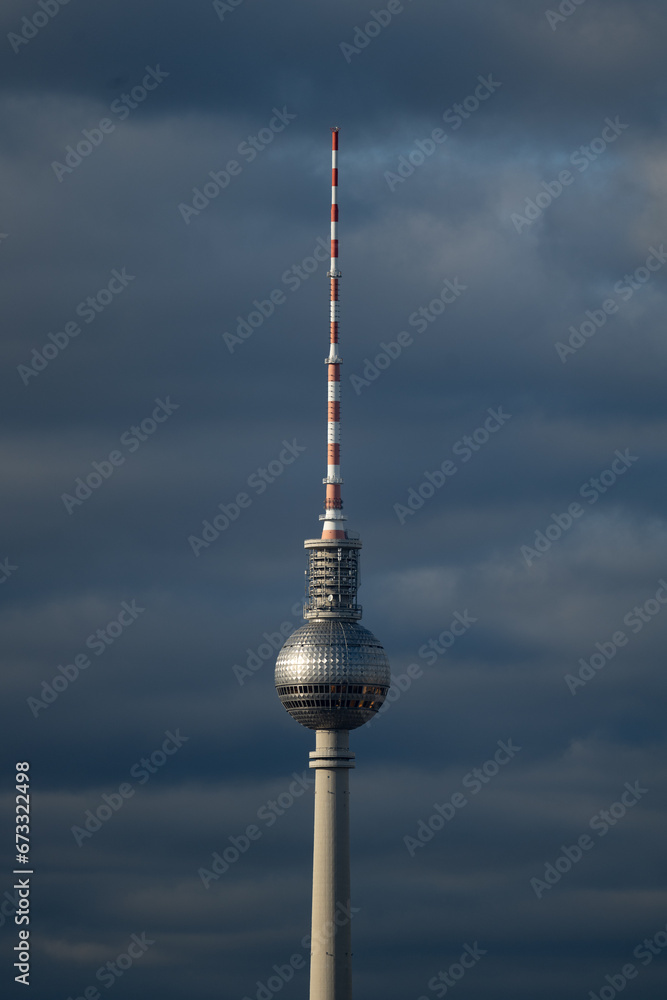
[{"x": 331, "y": 939}]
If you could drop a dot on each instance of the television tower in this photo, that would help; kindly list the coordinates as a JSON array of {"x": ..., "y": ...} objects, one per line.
[{"x": 332, "y": 675}]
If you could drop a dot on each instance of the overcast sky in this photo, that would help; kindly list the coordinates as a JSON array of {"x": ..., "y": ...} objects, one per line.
[{"x": 503, "y": 245}]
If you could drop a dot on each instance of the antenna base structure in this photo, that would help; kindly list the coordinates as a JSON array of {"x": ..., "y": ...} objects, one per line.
[{"x": 332, "y": 578}]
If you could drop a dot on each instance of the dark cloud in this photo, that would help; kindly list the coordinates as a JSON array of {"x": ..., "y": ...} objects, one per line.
[{"x": 527, "y": 334}]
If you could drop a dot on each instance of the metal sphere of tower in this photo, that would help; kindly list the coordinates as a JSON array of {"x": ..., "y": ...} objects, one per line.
[{"x": 332, "y": 675}]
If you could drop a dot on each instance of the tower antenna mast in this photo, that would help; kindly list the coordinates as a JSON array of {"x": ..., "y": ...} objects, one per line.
[{"x": 333, "y": 517}]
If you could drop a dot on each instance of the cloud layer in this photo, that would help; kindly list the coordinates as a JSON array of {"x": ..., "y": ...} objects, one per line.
[{"x": 165, "y": 325}]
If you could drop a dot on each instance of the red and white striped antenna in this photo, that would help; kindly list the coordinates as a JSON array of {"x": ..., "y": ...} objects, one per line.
[{"x": 334, "y": 517}]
